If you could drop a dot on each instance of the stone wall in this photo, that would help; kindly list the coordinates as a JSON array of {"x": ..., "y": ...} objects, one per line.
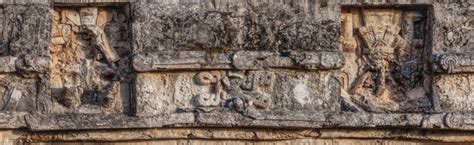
[{"x": 387, "y": 69}]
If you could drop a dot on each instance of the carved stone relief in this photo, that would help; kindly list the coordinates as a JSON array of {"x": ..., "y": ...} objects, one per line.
[
  {"x": 23, "y": 57},
  {"x": 455, "y": 92},
  {"x": 255, "y": 93},
  {"x": 453, "y": 56},
  {"x": 90, "y": 59},
  {"x": 252, "y": 59},
  {"x": 386, "y": 68},
  {"x": 454, "y": 63},
  {"x": 459, "y": 120},
  {"x": 456, "y": 31},
  {"x": 16, "y": 93},
  {"x": 240, "y": 63}
]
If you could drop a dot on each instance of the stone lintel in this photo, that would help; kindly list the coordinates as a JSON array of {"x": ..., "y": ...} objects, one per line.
[
  {"x": 444, "y": 121},
  {"x": 241, "y": 60},
  {"x": 39, "y": 122}
]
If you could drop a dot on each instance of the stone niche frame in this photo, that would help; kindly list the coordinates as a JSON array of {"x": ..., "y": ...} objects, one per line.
[
  {"x": 94, "y": 75},
  {"x": 388, "y": 51},
  {"x": 153, "y": 63}
]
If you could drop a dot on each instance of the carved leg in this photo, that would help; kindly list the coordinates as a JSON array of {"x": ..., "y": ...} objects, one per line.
[
  {"x": 358, "y": 83},
  {"x": 380, "y": 82}
]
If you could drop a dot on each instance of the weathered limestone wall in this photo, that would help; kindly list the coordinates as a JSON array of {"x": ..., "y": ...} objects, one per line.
[{"x": 235, "y": 69}]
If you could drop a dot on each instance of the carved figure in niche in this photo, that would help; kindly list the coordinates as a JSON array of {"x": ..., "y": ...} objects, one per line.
[
  {"x": 237, "y": 90},
  {"x": 89, "y": 48},
  {"x": 385, "y": 65}
]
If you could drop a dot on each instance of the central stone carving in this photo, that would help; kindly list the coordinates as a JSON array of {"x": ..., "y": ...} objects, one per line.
[
  {"x": 385, "y": 51},
  {"x": 235, "y": 89},
  {"x": 257, "y": 93}
]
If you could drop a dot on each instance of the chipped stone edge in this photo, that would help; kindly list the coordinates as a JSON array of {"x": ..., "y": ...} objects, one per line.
[
  {"x": 444, "y": 121},
  {"x": 12, "y": 120}
]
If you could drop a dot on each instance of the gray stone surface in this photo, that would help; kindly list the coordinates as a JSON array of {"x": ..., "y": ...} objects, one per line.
[
  {"x": 235, "y": 25},
  {"x": 25, "y": 30},
  {"x": 24, "y": 53}
]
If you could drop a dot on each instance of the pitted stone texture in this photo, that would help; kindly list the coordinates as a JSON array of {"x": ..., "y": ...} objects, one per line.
[
  {"x": 454, "y": 27},
  {"x": 18, "y": 93},
  {"x": 252, "y": 93},
  {"x": 455, "y": 92},
  {"x": 386, "y": 54},
  {"x": 25, "y": 30},
  {"x": 90, "y": 62},
  {"x": 235, "y": 25},
  {"x": 453, "y": 56}
]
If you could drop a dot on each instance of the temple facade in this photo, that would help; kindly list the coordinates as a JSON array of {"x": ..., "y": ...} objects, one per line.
[{"x": 236, "y": 71}]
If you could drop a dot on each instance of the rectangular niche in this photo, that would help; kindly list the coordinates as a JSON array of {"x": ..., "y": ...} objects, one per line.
[
  {"x": 387, "y": 51},
  {"x": 90, "y": 68}
]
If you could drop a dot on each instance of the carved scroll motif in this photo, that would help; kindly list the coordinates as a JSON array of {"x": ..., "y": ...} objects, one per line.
[
  {"x": 455, "y": 63},
  {"x": 459, "y": 121},
  {"x": 235, "y": 89}
]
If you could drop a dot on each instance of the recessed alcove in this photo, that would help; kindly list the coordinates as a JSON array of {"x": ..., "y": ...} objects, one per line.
[
  {"x": 90, "y": 66},
  {"x": 388, "y": 57}
]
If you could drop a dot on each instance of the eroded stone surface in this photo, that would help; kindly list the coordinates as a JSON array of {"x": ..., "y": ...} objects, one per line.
[
  {"x": 455, "y": 92},
  {"x": 24, "y": 61},
  {"x": 235, "y": 25},
  {"x": 455, "y": 33},
  {"x": 25, "y": 30},
  {"x": 90, "y": 60},
  {"x": 17, "y": 93},
  {"x": 453, "y": 56},
  {"x": 255, "y": 93},
  {"x": 385, "y": 69},
  {"x": 237, "y": 64}
]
